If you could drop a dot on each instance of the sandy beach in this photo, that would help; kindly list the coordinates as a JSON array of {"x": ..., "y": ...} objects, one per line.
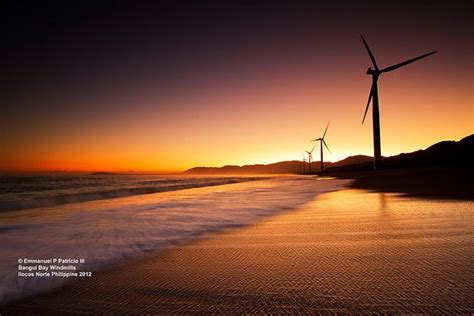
[
  {"x": 345, "y": 251},
  {"x": 237, "y": 158}
]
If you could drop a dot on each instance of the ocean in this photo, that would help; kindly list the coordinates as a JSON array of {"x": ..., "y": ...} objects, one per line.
[
  {"x": 107, "y": 219},
  {"x": 18, "y": 193}
]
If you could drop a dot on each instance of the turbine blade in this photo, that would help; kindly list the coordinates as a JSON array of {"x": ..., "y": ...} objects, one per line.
[
  {"x": 325, "y": 130},
  {"x": 368, "y": 102},
  {"x": 313, "y": 149},
  {"x": 409, "y": 61},
  {"x": 370, "y": 53},
  {"x": 327, "y": 147}
]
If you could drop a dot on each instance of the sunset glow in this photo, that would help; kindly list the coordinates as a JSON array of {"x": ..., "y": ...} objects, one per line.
[{"x": 251, "y": 91}]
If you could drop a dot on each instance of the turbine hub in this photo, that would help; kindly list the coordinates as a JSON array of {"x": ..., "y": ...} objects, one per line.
[{"x": 370, "y": 71}]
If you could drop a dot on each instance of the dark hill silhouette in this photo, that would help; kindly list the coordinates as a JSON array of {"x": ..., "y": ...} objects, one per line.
[
  {"x": 352, "y": 160},
  {"x": 275, "y": 168},
  {"x": 442, "y": 171},
  {"x": 442, "y": 154}
]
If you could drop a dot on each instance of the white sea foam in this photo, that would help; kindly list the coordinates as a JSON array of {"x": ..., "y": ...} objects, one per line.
[{"x": 104, "y": 232}]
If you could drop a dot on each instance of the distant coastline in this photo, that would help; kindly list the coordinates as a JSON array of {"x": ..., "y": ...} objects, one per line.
[{"x": 441, "y": 154}]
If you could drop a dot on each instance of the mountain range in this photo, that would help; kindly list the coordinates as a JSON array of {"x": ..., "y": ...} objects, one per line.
[{"x": 445, "y": 153}]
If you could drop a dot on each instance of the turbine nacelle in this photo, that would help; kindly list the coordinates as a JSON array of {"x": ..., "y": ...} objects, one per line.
[
  {"x": 321, "y": 139},
  {"x": 372, "y": 72}
]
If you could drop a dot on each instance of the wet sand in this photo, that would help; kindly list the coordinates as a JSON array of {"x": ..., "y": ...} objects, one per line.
[
  {"x": 346, "y": 251},
  {"x": 441, "y": 183}
]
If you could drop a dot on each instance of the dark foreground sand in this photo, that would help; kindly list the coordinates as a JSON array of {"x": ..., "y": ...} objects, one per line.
[
  {"x": 347, "y": 251},
  {"x": 452, "y": 183}
]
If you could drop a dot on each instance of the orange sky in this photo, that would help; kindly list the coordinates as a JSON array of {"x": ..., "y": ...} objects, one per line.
[
  {"x": 261, "y": 114},
  {"x": 257, "y": 126}
]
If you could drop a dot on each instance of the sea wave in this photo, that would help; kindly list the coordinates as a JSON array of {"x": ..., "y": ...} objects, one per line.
[
  {"x": 105, "y": 232},
  {"x": 18, "y": 193}
]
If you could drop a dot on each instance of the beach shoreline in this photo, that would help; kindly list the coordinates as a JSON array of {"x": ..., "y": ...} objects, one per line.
[
  {"x": 347, "y": 251},
  {"x": 133, "y": 227}
]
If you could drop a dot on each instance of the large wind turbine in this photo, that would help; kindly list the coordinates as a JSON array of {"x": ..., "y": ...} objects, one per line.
[
  {"x": 375, "y": 73},
  {"x": 321, "y": 140},
  {"x": 310, "y": 157}
]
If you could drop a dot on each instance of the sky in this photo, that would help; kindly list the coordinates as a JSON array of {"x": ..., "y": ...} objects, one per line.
[{"x": 170, "y": 85}]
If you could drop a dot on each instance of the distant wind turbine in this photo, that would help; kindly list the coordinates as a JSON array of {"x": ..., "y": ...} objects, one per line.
[
  {"x": 375, "y": 73},
  {"x": 322, "y": 141},
  {"x": 310, "y": 157},
  {"x": 304, "y": 163}
]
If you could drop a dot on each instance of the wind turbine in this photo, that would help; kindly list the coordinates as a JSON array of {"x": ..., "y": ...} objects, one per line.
[
  {"x": 375, "y": 73},
  {"x": 321, "y": 140},
  {"x": 310, "y": 157}
]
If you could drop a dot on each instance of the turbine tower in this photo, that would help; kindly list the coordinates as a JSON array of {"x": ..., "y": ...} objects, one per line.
[
  {"x": 304, "y": 163},
  {"x": 310, "y": 157},
  {"x": 373, "y": 94},
  {"x": 322, "y": 141}
]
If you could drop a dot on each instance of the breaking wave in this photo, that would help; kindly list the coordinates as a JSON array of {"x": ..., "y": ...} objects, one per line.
[{"x": 105, "y": 232}]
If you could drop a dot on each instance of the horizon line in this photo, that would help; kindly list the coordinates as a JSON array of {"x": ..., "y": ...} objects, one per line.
[{"x": 149, "y": 172}]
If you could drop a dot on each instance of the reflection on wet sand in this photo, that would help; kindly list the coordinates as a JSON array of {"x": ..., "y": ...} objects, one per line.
[
  {"x": 346, "y": 251},
  {"x": 383, "y": 202}
]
